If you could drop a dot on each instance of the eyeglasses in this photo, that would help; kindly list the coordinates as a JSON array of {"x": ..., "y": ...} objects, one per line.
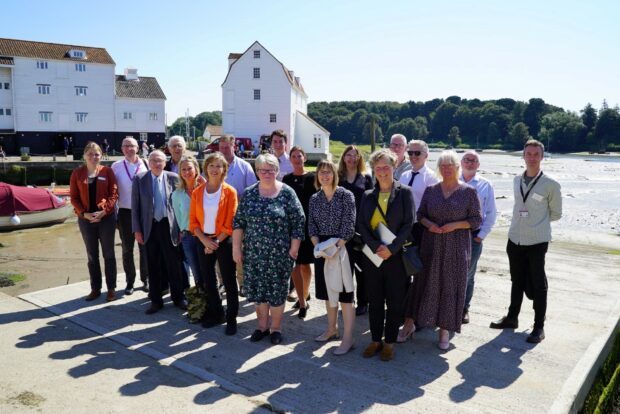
[
  {"x": 394, "y": 144},
  {"x": 352, "y": 155},
  {"x": 470, "y": 160},
  {"x": 416, "y": 153},
  {"x": 266, "y": 172},
  {"x": 129, "y": 146}
]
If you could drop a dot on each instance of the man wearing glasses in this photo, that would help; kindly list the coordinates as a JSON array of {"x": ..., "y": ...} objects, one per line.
[
  {"x": 176, "y": 146},
  {"x": 469, "y": 167},
  {"x": 398, "y": 144},
  {"x": 418, "y": 178}
]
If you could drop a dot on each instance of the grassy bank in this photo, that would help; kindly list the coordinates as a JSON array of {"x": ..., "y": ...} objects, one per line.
[{"x": 604, "y": 396}]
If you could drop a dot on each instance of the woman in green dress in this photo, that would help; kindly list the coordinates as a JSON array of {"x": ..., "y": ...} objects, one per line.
[{"x": 267, "y": 230}]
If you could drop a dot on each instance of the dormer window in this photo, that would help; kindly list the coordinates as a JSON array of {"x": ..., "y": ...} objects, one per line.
[
  {"x": 257, "y": 54},
  {"x": 77, "y": 54}
]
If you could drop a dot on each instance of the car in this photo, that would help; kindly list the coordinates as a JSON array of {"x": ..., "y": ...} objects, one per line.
[{"x": 244, "y": 147}]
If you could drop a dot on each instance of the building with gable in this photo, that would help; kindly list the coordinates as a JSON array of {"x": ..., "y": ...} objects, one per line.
[
  {"x": 49, "y": 91},
  {"x": 260, "y": 94}
]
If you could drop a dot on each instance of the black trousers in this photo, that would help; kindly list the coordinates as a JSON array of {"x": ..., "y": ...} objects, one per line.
[
  {"x": 95, "y": 234},
  {"x": 357, "y": 258},
  {"x": 527, "y": 273},
  {"x": 223, "y": 256},
  {"x": 164, "y": 264},
  {"x": 127, "y": 242},
  {"x": 387, "y": 285}
]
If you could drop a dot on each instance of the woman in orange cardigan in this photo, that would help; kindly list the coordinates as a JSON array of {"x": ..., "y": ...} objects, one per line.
[
  {"x": 211, "y": 213},
  {"x": 93, "y": 195}
]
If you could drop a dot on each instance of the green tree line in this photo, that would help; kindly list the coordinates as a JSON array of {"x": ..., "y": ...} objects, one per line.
[
  {"x": 502, "y": 123},
  {"x": 199, "y": 122}
]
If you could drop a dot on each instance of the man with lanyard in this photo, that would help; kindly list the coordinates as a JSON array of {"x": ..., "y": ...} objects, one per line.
[
  {"x": 240, "y": 176},
  {"x": 418, "y": 178},
  {"x": 469, "y": 167},
  {"x": 125, "y": 171},
  {"x": 538, "y": 202},
  {"x": 278, "y": 143},
  {"x": 398, "y": 145},
  {"x": 176, "y": 146}
]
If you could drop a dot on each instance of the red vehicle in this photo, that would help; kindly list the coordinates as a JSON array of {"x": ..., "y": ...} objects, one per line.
[{"x": 243, "y": 147}]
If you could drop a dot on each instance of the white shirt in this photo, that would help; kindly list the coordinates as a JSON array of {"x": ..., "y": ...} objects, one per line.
[
  {"x": 486, "y": 195},
  {"x": 210, "y": 204},
  {"x": 425, "y": 178},
  {"x": 285, "y": 166},
  {"x": 125, "y": 172}
]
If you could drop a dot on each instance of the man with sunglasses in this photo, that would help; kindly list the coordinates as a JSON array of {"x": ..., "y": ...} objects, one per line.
[
  {"x": 398, "y": 144},
  {"x": 418, "y": 178},
  {"x": 469, "y": 175}
]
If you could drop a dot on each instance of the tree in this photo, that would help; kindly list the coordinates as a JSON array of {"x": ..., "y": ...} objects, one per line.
[
  {"x": 533, "y": 114},
  {"x": 518, "y": 136},
  {"x": 589, "y": 117},
  {"x": 443, "y": 120},
  {"x": 607, "y": 129},
  {"x": 454, "y": 138},
  {"x": 561, "y": 130}
]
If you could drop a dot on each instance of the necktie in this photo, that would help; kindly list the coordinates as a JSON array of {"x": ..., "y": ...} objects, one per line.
[
  {"x": 413, "y": 174},
  {"x": 158, "y": 200}
]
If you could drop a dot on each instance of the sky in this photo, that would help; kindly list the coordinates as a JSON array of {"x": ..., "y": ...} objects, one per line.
[{"x": 565, "y": 52}]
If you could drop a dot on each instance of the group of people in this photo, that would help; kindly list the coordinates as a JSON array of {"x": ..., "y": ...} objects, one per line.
[{"x": 258, "y": 238}]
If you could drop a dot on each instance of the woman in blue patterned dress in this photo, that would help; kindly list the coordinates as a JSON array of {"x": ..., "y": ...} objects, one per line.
[{"x": 268, "y": 229}]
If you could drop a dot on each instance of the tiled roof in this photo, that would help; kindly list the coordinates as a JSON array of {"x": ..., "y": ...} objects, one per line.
[
  {"x": 214, "y": 129},
  {"x": 234, "y": 55},
  {"x": 144, "y": 88},
  {"x": 56, "y": 51},
  {"x": 4, "y": 60}
]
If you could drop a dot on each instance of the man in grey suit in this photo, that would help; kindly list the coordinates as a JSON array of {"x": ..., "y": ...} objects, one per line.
[{"x": 155, "y": 226}]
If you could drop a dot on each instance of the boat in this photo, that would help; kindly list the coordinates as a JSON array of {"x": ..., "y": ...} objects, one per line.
[{"x": 26, "y": 207}]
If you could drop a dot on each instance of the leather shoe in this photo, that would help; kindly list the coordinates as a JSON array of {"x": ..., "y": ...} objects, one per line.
[
  {"x": 276, "y": 338},
  {"x": 303, "y": 311},
  {"x": 181, "y": 304},
  {"x": 465, "y": 317},
  {"x": 153, "y": 309},
  {"x": 387, "y": 353},
  {"x": 505, "y": 323},
  {"x": 129, "y": 290},
  {"x": 257, "y": 335},
  {"x": 111, "y": 296},
  {"x": 372, "y": 349},
  {"x": 94, "y": 294},
  {"x": 231, "y": 327},
  {"x": 537, "y": 335},
  {"x": 361, "y": 310}
]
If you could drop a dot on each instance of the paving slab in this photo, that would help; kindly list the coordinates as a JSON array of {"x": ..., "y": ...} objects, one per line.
[{"x": 484, "y": 370}]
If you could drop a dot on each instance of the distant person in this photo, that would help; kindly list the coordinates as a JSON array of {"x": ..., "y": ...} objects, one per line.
[
  {"x": 418, "y": 178},
  {"x": 241, "y": 150},
  {"x": 145, "y": 150},
  {"x": 278, "y": 143},
  {"x": 398, "y": 145},
  {"x": 94, "y": 194},
  {"x": 154, "y": 225},
  {"x": 2, "y": 153},
  {"x": 538, "y": 202},
  {"x": 106, "y": 149},
  {"x": 177, "y": 147},
  {"x": 126, "y": 171},
  {"x": 470, "y": 162},
  {"x": 65, "y": 146}
]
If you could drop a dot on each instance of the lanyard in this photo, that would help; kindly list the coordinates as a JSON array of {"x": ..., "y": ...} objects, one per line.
[
  {"x": 531, "y": 187},
  {"x": 135, "y": 172}
]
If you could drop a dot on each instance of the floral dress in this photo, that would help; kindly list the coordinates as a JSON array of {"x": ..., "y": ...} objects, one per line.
[{"x": 269, "y": 224}]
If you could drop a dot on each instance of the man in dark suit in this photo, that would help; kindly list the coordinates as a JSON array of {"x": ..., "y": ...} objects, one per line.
[{"x": 155, "y": 226}]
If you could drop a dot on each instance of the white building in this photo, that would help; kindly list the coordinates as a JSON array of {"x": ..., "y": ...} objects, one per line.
[
  {"x": 51, "y": 91},
  {"x": 260, "y": 95}
]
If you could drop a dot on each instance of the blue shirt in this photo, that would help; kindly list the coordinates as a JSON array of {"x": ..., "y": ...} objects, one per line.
[
  {"x": 240, "y": 175},
  {"x": 486, "y": 195}
]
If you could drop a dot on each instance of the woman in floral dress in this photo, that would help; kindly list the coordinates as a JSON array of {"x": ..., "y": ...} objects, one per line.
[{"x": 268, "y": 229}]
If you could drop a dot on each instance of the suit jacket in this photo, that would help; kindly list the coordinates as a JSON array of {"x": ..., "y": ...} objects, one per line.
[
  {"x": 399, "y": 216},
  {"x": 107, "y": 190},
  {"x": 142, "y": 210}
]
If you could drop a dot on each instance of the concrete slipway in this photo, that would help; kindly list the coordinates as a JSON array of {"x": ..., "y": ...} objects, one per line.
[{"x": 61, "y": 354}]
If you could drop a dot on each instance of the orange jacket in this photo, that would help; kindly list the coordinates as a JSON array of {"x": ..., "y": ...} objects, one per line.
[
  {"x": 226, "y": 210},
  {"x": 107, "y": 190}
]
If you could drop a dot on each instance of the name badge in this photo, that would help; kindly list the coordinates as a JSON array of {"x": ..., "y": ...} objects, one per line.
[
  {"x": 101, "y": 178},
  {"x": 537, "y": 197},
  {"x": 523, "y": 213}
]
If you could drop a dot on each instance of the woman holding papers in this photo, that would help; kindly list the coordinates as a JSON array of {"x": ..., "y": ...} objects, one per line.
[
  {"x": 385, "y": 213},
  {"x": 449, "y": 211},
  {"x": 332, "y": 220}
]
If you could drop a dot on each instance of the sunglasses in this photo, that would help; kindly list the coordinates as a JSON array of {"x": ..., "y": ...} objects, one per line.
[{"x": 416, "y": 153}]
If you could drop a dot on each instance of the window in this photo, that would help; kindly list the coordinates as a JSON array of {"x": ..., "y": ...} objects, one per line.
[
  {"x": 272, "y": 118},
  {"x": 81, "y": 117},
  {"x": 144, "y": 136},
  {"x": 77, "y": 54},
  {"x": 7, "y": 112},
  {"x": 41, "y": 64},
  {"x": 153, "y": 116},
  {"x": 80, "y": 90},
  {"x": 80, "y": 67},
  {"x": 7, "y": 85},
  {"x": 256, "y": 73},
  {"x": 127, "y": 115},
  {"x": 45, "y": 116},
  {"x": 1, "y": 111},
  {"x": 317, "y": 140},
  {"x": 257, "y": 94},
  {"x": 257, "y": 54},
  {"x": 43, "y": 89}
]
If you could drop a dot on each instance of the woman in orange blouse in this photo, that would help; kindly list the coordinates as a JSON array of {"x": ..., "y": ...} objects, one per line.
[
  {"x": 93, "y": 195},
  {"x": 211, "y": 213}
]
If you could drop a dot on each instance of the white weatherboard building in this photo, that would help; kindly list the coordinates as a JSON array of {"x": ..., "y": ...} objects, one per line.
[
  {"x": 260, "y": 95},
  {"x": 50, "y": 91}
]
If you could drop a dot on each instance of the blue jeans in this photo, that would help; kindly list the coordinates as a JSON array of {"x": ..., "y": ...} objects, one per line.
[
  {"x": 190, "y": 244},
  {"x": 476, "y": 250}
]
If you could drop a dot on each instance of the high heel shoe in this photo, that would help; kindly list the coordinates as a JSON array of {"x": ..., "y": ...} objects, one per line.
[
  {"x": 404, "y": 335},
  {"x": 341, "y": 351},
  {"x": 326, "y": 337}
]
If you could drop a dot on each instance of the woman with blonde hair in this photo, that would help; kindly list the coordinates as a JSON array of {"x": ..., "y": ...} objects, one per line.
[
  {"x": 94, "y": 194},
  {"x": 211, "y": 214},
  {"x": 352, "y": 176}
]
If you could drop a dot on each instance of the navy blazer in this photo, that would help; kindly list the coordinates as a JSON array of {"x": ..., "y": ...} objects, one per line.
[
  {"x": 399, "y": 216},
  {"x": 142, "y": 210}
]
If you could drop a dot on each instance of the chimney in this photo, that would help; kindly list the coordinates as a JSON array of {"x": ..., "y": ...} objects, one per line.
[
  {"x": 232, "y": 58},
  {"x": 131, "y": 74}
]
